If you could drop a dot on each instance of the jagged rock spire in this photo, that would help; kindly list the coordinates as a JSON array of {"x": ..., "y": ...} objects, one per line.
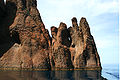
[{"x": 26, "y": 43}]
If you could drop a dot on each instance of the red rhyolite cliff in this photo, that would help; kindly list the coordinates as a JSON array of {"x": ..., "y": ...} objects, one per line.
[{"x": 26, "y": 43}]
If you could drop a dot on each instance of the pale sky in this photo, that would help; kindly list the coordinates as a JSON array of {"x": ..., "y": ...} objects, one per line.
[{"x": 102, "y": 16}]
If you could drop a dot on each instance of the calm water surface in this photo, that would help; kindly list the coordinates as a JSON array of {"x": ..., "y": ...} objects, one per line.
[{"x": 109, "y": 72}]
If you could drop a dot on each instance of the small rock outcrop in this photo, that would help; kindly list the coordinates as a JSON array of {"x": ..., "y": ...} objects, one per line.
[{"x": 25, "y": 43}]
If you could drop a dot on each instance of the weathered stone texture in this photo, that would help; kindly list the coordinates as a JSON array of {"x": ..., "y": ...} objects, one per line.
[
  {"x": 27, "y": 31},
  {"x": 83, "y": 43},
  {"x": 26, "y": 43}
]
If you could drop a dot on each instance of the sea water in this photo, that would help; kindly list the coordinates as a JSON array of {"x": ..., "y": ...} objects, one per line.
[{"x": 110, "y": 72}]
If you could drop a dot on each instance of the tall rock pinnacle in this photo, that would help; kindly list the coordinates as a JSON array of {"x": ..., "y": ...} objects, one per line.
[
  {"x": 83, "y": 42},
  {"x": 31, "y": 41},
  {"x": 26, "y": 43}
]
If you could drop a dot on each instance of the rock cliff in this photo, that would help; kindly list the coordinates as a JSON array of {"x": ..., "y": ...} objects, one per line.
[{"x": 25, "y": 43}]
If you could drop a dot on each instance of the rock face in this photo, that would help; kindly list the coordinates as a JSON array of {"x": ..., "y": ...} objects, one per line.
[
  {"x": 30, "y": 39},
  {"x": 61, "y": 57},
  {"x": 74, "y": 46},
  {"x": 84, "y": 52},
  {"x": 25, "y": 43}
]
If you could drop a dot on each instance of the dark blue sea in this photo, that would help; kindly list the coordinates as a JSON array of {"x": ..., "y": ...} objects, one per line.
[{"x": 109, "y": 72}]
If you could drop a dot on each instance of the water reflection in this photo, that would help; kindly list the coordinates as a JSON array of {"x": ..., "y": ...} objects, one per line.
[{"x": 51, "y": 75}]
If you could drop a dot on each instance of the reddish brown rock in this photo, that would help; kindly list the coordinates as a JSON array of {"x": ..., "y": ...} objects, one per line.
[
  {"x": 77, "y": 43},
  {"x": 61, "y": 57},
  {"x": 32, "y": 40},
  {"x": 25, "y": 43},
  {"x": 85, "y": 52}
]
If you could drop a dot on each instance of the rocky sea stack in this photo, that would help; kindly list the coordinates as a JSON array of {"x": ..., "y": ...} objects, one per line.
[{"x": 25, "y": 43}]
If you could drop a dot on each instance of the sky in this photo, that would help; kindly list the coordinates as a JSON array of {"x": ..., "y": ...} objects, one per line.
[{"x": 102, "y": 17}]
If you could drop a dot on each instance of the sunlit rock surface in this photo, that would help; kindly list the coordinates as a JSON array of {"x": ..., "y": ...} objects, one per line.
[{"x": 26, "y": 43}]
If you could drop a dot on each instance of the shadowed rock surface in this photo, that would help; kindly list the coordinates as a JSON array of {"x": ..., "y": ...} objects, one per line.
[{"x": 26, "y": 43}]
